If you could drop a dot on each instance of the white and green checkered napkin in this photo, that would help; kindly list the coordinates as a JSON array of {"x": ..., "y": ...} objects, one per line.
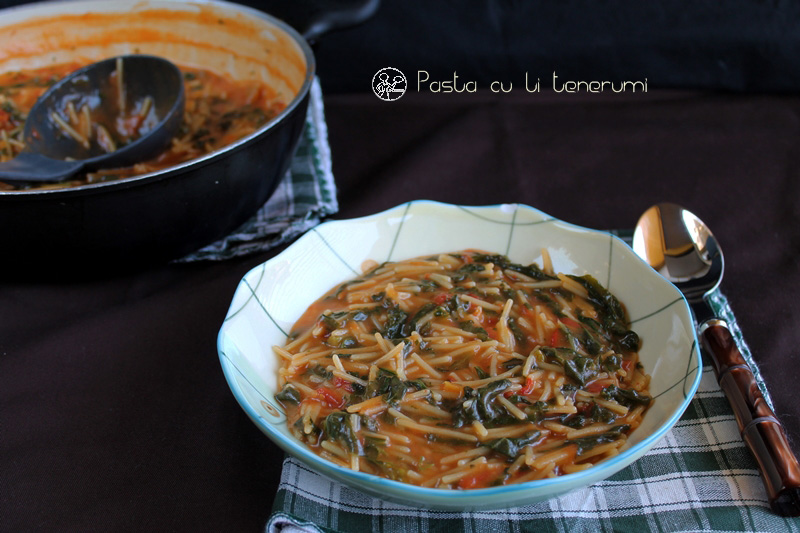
[
  {"x": 699, "y": 477},
  {"x": 303, "y": 198}
]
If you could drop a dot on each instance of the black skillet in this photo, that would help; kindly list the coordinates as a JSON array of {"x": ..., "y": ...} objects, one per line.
[{"x": 106, "y": 228}]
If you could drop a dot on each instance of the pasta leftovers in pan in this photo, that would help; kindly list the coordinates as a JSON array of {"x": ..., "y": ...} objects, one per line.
[{"x": 219, "y": 111}]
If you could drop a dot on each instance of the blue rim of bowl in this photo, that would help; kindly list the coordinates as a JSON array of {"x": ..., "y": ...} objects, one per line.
[{"x": 598, "y": 472}]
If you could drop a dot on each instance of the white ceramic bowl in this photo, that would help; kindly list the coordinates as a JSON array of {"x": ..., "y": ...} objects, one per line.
[{"x": 272, "y": 296}]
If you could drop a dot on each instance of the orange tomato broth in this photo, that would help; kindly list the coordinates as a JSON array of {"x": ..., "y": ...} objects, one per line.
[
  {"x": 463, "y": 371},
  {"x": 218, "y": 111}
]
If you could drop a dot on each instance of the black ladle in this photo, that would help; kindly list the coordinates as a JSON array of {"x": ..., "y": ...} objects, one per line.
[{"x": 52, "y": 155}]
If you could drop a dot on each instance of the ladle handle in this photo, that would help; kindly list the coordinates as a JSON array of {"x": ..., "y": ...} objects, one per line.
[
  {"x": 761, "y": 431},
  {"x": 32, "y": 167}
]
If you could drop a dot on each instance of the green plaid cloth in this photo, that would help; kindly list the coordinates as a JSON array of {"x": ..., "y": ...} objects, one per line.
[
  {"x": 303, "y": 198},
  {"x": 699, "y": 477}
]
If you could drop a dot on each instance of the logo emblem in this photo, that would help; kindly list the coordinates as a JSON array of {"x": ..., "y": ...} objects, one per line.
[{"x": 389, "y": 84}]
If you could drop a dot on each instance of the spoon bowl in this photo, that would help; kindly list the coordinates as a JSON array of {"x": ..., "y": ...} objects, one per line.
[
  {"x": 680, "y": 247},
  {"x": 131, "y": 107}
]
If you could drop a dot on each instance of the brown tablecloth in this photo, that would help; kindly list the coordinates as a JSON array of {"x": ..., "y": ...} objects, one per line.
[{"x": 114, "y": 414}]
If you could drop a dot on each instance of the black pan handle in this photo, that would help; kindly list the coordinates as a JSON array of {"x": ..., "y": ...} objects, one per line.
[{"x": 315, "y": 18}]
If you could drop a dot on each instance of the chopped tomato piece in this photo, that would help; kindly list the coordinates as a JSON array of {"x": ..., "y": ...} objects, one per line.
[
  {"x": 595, "y": 386},
  {"x": 489, "y": 322},
  {"x": 441, "y": 298},
  {"x": 530, "y": 384},
  {"x": 557, "y": 338},
  {"x": 343, "y": 384},
  {"x": 330, "y": 398}
]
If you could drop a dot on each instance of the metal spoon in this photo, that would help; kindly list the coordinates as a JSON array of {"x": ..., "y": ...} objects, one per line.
[
  {"x": 52, "y": 153},
  {"x": 681, "y": 248}
]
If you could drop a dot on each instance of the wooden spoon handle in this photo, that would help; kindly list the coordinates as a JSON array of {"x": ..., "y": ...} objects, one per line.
[{"x": 761, "y": 431}]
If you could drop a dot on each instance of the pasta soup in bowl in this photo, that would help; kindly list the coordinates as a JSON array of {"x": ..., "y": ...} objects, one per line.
[{"x": 505, "y": 358}]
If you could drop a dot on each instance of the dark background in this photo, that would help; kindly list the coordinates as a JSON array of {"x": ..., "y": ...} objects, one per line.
[
  {"x": 732, "y": 45},
  {"x": 736, "y": 45},
  {"x": 114, "y": 414}
]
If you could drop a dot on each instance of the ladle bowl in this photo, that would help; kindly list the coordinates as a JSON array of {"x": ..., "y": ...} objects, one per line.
[{"x": 109, "y": 89}]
